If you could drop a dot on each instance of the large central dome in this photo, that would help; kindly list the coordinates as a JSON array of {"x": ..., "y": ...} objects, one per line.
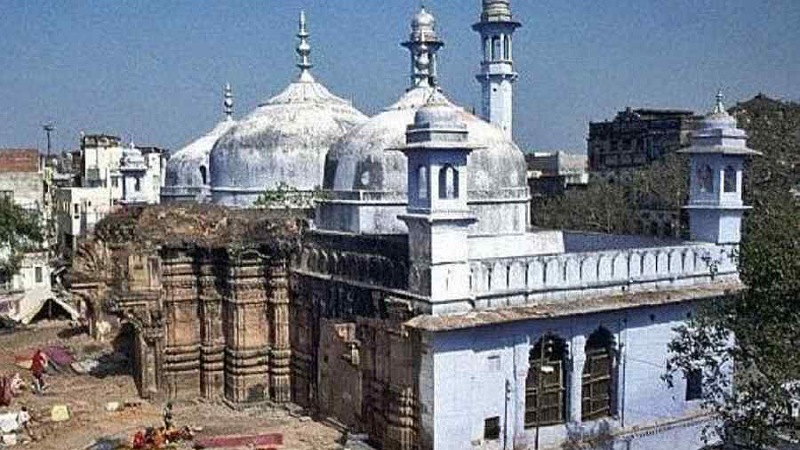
[
  {"x": 284, "y": 141},
  {"x": 364, "y": 166},
  {"x": 365, "y": 159},
  {"x": 366, "y": 176}
]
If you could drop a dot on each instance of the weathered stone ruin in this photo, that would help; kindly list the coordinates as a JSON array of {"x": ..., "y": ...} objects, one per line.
[{"x": 244, "y": 307}]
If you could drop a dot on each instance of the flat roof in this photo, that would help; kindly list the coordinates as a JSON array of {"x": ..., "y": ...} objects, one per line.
[{"x": 561, "y": 308}]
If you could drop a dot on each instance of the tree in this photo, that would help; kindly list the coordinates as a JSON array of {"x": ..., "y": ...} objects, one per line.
[
  {"x": 754, "y": 334},
  {"x": 746, "y": 346},
  {"x": 615, "y": 207},
  {"x": 19, "y": 230},
  {"x": 288, "y": 197}
]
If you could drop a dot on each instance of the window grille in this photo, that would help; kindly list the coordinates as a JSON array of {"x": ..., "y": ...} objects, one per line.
[
  {"x": 597, "y": 376},
  {"x": 545, "y": 392}
]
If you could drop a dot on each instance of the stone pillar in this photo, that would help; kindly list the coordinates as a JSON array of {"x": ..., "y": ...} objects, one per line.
[
  {"x": 212, "y": 342},
  {"x": 400, "y": 421},
  {"x": 246, "y": 330},
  {"x": 577, "y": 353},
  {"x": 182, "y": 333},
  {"x": 518, "y": 384},
  {"x": 280, "y": 351},
  {"x": 152, "y": 361}
]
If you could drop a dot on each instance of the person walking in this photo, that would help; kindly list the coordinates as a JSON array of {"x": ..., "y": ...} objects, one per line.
[{"x": 38, "y": 364}]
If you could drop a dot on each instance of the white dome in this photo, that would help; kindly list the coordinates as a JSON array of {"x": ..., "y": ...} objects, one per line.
[
  {"x": 284, "y": 140},
  {"x": 366, "y": 178},
  {"x": 187, "y": 169},
  {"x": 364, "y": 160}
]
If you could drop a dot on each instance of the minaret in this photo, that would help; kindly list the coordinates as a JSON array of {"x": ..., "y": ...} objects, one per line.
[
  {"x": 304, "y": 50},
  {"x": 716, "y": 159},
  {"x": 423, "y": 43},
  {"x": 228, "y": 102},
  {"x": 497, "y": 69},
  {"x": 438, "y": 216}
]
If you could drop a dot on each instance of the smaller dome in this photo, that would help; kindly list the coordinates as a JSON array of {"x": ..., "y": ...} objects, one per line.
[
  {"x": 423, "y": 19},
  {"x": 423, "y": 26},
  {"x": 437, "y": 114}
]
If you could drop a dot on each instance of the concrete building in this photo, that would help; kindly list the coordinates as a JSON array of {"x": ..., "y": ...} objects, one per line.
[
  {"x": 419, "y": 306},
  {"x": 25, "y": 292},
  {"x": 22, "y": 177},
  {"x": 104, "y": 163},
  {"x": 108, "y": 177},
  {"x": 553, "y": 173},
  {"x": 76, "y": 211},
  {"x": 637, "y": 137}
]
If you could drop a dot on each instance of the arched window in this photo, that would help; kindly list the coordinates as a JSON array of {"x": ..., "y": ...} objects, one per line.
[
  {"x": 506, "y": 47},
  {"x": 496, "y": 47},
  {"x": 422, "y": 182},
  {"x": 487, "y": 49},
  {"x": 545, "y": 393},
  {"x": 137, "y": 184},
  {"x": 203, "y": 174},
  {"x": 598, "y": 378},
  {"x": 705, "y": 179},
  {"x": 448, "y": 182},
  {"x": 730, "y": 179}
]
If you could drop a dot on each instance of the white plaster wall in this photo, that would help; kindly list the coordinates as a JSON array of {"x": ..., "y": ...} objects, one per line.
[{"x": 470, "y": 387}]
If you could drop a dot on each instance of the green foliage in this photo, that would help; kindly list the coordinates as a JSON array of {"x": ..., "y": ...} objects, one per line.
[
  {"x": 764, "y": 318},
  {"x": 19, "y": 230},
  {"x": 278, "y": 197},
  {"x": 754, "y": 404},
  {"x": 287, "y": 196},
  {"x": 614, "y": 207},
  {"x": 765, "y": 321}
]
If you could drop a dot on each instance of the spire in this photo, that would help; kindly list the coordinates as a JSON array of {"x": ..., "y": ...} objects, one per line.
[
  {"x": 719, "y": 107},
  {"x": 304, "y": 49},
  {"x": 228, "y": 102},
  {"x": 423, "y": 43}
]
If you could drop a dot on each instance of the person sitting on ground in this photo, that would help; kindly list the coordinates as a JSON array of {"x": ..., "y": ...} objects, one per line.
[{"x": 23, "y": 417}]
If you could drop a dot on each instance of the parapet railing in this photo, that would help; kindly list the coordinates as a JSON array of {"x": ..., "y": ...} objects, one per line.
[{"x": 686, "y": 264}]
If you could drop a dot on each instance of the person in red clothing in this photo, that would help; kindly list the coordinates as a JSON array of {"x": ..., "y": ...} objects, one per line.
[
  {"x": 139, "y": 440},
  {"x": 38, "y": 365}
]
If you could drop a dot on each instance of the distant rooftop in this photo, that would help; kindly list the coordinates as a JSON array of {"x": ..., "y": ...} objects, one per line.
[{"x": 19, "y": 160}]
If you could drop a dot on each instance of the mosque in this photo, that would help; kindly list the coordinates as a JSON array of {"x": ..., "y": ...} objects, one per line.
[{"x": 420, "y": 307}]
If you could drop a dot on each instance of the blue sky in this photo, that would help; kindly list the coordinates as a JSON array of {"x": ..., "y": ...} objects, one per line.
[{"x": 153, "y": 71}]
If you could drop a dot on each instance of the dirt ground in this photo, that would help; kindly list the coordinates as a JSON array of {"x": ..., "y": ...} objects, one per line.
[{"x": 86, "y": 397}]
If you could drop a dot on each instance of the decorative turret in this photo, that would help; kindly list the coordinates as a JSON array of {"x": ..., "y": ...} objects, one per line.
[
  {"x": 717, "y": 157},
  {"x": 497, "y": 69},
  {"x": 438, "y": 216},
  {"x": 304, "y": 50},
  {"x": 228, "y": 102},
  {"x": 423, "y": 43}
]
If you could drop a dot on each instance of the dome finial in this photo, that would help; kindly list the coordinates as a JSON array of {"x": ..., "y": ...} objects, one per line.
[
  {"x": 304, "y": 49},
  {"x": 423, "y": 43},
  {"x": 228, "y": 102},
  {"x": 719, "y": 107}
]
